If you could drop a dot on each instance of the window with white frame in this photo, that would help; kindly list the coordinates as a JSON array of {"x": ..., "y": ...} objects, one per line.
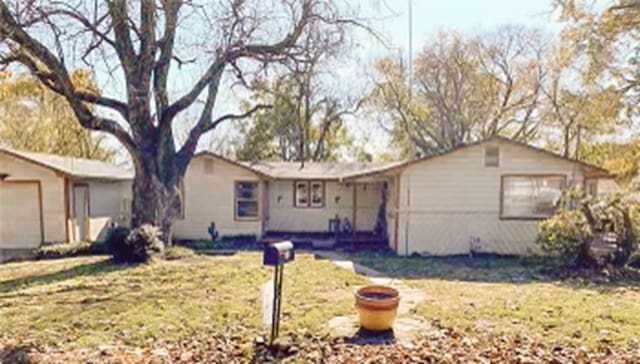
[
  {"x": 247, "y": 200},
  {"x": 309, "y": 194},
  {"x": 530, "y": 197}
]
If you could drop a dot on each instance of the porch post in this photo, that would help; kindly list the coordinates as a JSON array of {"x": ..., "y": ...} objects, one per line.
[{"x": 355, "y": 207}]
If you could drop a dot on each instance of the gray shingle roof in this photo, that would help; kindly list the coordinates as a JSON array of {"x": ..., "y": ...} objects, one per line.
[
  {"x": 74, "y": 167},
  {"x": 310, "y": 170},
  {"x": 317, "y": 170}
]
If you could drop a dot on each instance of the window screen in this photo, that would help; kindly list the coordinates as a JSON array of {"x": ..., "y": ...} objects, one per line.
[
  {"x": 247, "y": 200},
  {"x": 531, "y": 196}
]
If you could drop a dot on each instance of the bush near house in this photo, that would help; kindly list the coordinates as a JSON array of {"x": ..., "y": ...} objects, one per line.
[
  {"x": 593, "y": 232},
  {"x": 244, "y": 242},
  {"x": 65, "y": 250}
]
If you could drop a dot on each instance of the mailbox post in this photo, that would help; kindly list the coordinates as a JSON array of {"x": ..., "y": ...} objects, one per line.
[{"x": 276, "y": 255}]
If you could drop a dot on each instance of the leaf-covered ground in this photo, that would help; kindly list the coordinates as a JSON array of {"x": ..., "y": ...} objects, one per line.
[
  {"x": 207, "y": 309},
  {"x": 504, "y": 295},
  {"x": 86, "y": 302}
]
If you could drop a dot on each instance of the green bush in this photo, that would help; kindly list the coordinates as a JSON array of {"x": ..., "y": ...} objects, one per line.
[
  {"x": 115, "y": 242},
  {"x": 231, "y": 242},
  {"x": 139, "y": 246},
  {"x": 584, "y": 223},
  {"x": 564, "y": 234},
  {"x": 65, "y": 250}
]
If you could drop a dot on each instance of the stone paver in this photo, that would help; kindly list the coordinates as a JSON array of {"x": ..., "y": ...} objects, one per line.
[{"x": 406, "y": 327}]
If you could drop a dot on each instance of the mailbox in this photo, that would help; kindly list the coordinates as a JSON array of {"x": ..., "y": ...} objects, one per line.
[{"x": 276, "y": 254}]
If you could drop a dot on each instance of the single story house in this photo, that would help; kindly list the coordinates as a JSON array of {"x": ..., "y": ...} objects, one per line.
[
  {"x": 486, "y": 196},
  {"x": 48, "y": 198}
]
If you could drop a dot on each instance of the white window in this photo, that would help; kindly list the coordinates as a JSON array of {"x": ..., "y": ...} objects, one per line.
[
  {"x": 530, "y": 197},
  {"x": 492, "y": 156},
  {"x": 247, "y": 200},
  {"x": 309, "y": 194},
  {"x": 317, "y": 194}
]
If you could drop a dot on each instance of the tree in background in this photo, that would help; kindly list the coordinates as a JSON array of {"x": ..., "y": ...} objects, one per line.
[
  {"x": 306, "y": 120},
  {"x": 621, "y": 159},
  {"x": 576, "y": 112},
  {"x": 463, "y": 89},
  {"x": 288, "y": 131},
  {"x": 140, "y": 43},
  {"x": 607, "y": 41},
  {"x": 603, "y": 46},
  {"x": 34, "y": 118}
]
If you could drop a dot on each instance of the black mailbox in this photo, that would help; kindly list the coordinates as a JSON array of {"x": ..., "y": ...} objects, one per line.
[{"x": 276, "y": 254}]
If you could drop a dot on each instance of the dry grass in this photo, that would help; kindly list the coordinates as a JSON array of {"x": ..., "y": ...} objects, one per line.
[
  {"x": 516, "y": 296},
  {"x": 85, "y": 302}
]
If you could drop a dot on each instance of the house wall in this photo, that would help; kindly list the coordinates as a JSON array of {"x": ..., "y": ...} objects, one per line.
[
  {"x": 52, "y": 186},
  {"x": 448, "y": 200},
  {"x": 108, "y": 203},
  {"x": 209, "y": 196},
  {"x": 284, "y": 216}
]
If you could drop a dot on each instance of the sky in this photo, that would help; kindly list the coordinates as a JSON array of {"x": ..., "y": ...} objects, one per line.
[{"x": 390, "y": 19}]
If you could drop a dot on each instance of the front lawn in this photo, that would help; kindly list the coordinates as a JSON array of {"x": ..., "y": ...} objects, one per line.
[
  {"x": 88, "y": 301},
  {"x": 517, "y": 297}
]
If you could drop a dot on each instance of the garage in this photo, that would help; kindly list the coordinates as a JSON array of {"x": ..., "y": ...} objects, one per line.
[{"x": 20, "y": 215}]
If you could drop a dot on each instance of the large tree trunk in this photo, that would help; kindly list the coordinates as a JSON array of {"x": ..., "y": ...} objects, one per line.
[{"x": 156, "y": 202}]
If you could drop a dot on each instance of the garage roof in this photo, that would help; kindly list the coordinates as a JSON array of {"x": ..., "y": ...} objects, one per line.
[{"x": 73, "y": 167}]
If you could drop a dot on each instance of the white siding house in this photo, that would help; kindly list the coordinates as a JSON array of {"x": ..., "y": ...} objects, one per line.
[
  {"x": 210, "y": 196},
  {"x": 46, "y": 198},
  {"x": 461, "y": 202},
  {"x": 485, "y": 197}
]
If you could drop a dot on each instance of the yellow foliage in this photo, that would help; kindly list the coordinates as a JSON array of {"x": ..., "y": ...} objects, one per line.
[{"x": 36, "y": 119}]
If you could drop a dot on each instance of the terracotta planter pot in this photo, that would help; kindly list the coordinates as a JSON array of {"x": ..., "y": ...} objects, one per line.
[{"x": 377, "y": 307}]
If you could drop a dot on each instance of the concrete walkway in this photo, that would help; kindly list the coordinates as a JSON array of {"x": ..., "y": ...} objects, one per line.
[{"x": 407, "y": 326}]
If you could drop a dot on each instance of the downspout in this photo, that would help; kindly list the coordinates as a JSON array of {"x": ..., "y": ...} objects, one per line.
[{"x": 406, "y": 226}]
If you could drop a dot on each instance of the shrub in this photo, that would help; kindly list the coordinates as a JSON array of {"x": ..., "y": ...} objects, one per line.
[
  {"x": 139, "y": 245},
  {"x": 584, "y": 222},
  {"x": 115, "y": 243},
  {"x": 64, "y": 250},
  {"x": 564, "y": 234},
  {"x": 231, "y": 242}
]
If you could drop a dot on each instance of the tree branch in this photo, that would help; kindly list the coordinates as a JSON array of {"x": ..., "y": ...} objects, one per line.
[
  {"x": 189, "y": 147},
  {"x": 162, "y": 65},
  {"x": 241, "y": 51},
  {"x": 10, "y": 29}
]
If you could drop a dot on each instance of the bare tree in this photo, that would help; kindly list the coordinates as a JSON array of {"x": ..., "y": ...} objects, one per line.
[
  {"x": 144, "y": 40},
  {"x": 464, "y": 89}
]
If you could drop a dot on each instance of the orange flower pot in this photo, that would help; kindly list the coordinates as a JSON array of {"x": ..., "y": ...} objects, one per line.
[{"x": 377, "y": 307}]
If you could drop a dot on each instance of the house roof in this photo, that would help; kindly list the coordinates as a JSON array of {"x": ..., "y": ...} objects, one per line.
[
  {"x": 310, "y": 170},
  {"x": 73, "y": 167},
  {"x": 317, "y": 170},
  {"x": 592, "y": 168},
  {"x": 352, "y": 170}
]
